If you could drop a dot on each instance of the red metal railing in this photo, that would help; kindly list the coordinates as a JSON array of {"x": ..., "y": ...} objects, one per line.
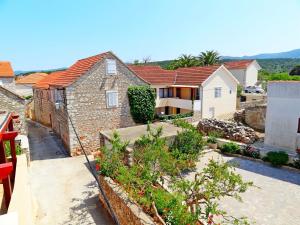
[{"x": 8, "y": 169}]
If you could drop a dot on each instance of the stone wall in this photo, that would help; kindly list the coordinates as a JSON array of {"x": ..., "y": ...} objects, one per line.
[
  {"x": 11, "y": 102},
  {"x": 42, "y": 106},
  {"x": 87, "y": 107},
  {"x": 255, "y": 117},
  {"x": 126, "y": 211}
]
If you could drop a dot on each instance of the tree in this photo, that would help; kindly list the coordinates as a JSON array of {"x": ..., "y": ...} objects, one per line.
[
  {"x": 184, "y": 61},
  {"x": 295, "y": 71},
  {"x": 146, "y": 59},
  {"x": 136, "y": 62},
  {"x": 209, "y": 58}
]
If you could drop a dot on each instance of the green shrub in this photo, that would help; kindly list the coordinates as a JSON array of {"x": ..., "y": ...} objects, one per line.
[
  {"x": 230, "y": 148},
  {"x": 251, "y": 152},
  {"x": 277, "y": 158},
  {"x": 212, "y": 137},
  {"x": 175, "y": 116},
  {"x": 142, "y": 103},
  {"x": 188, "y": 142}
]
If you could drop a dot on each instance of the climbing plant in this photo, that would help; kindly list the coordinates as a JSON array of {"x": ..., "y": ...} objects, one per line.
[{"x": 142, "y": 103}]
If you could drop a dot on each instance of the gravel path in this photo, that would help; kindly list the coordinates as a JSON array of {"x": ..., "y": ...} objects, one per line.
[
  {"x": 275, "y": 202},
  {"x": 65, "y": 191}
]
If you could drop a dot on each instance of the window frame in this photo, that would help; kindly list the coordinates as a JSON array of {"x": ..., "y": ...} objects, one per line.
[
  {"x": 108, "y": 63},
  {"x": 107, "y": 98},
  {"x": 218, "y": 92}
]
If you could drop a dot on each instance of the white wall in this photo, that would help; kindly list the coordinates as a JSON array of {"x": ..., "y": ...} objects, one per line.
[
  {"x": 251, "y": 75},
  {"x": 240, "y": 75},
  {"x": 283, "y": 111},
  {"x": 226, "y": 104},
  {"x": 24, "y": 89},
  {"x": 8, "y": 83}
]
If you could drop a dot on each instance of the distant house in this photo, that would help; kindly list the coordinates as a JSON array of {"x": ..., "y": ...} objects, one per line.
[
  {"x": 92, "y": 93},
  {"x": 208, "y": 92},
  {"x": 24, "y": 84},
  {"x": 7, "y": 76},
  {"x": 282, "y": 127},
  {"x": 245, "y": 71},
  {"x": 12, "y": 102}
]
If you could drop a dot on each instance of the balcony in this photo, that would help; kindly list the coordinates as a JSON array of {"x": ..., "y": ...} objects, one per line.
[{"x": 179, "y": 103}]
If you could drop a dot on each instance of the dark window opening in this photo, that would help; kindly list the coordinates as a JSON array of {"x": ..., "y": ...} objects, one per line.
[{"x": 298, "y": 126}]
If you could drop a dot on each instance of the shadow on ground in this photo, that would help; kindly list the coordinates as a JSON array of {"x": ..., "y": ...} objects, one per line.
[
  {"x": 43, "y": 143},
  {"x": 265, "y": 170},
  {"x": 86, "y": 210}
]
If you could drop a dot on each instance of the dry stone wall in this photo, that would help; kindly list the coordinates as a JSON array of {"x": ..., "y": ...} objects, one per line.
[{"x": 229, "y": 130}]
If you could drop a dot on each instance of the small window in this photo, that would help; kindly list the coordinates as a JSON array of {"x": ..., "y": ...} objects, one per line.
[
  {"x": 298, "y": 126},
  {"x": 111, "y": 67},
  {"x": 230, "y": 91},
  {"x": 218, "y": 91},
  {"x": 112, "y": 99}
]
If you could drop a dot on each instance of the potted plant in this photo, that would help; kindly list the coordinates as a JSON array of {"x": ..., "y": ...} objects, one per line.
[{"x": 212, "y": 142}]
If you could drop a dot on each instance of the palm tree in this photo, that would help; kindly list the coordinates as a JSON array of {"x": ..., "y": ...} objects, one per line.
[
  {"x": 209, "y": 58},
  {"x": 184, "y": 61}
]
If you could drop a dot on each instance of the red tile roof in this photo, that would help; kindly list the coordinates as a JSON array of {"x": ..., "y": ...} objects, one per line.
[
  {"x": 6, "y": 69},
  {"x": 181, "y": 76},
  {"x": 241, "y": 64},
  {"x": 44, "y": 83},
  {"x": 77, "y": 70},
  {"x": 194, "y": 75},
  {"x": 31, "y": 78},
  {"x": 154, "y": 74}
]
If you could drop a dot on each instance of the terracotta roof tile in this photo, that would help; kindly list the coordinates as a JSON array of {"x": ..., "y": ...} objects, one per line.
[
  {"x": 182, "y": 76},
  {"x": 154, "y": 74},
  {"x": 6, "y": 69},
  {"x": 77, "y": 70},
  {"x": 31, "y": 78},
  {"x": 44, "y": 83},
  {"x": 241, "y": 64}
]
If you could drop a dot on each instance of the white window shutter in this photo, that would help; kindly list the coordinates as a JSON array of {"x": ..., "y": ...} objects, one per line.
[{"x": 111, "y": 67}]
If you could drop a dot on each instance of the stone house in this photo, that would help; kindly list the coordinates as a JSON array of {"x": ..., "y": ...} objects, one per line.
[
  {"x": 12, "y": 102},
  {"x": 92, "y": 93},
  {"x": 282, "y": 128},
  {"x": 245, "y": 71},
  {"x": 207, "y": 92},
  {"x": 7, "y": 76}
]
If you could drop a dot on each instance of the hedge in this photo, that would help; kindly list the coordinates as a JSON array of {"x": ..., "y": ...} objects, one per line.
[{"x": 142, "y": 103}]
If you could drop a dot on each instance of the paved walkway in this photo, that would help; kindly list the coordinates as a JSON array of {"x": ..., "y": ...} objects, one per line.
[
  {"x": 275, "y": 202},
  {"x": 65, "y": 191}
]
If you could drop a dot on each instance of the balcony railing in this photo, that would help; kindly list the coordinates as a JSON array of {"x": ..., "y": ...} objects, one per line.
[
  {"x": 7, "y": 168},
  {"x": 179, "y": 103}
]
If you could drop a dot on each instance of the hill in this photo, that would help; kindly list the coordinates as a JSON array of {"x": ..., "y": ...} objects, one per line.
[
  {"x": 293, "y": 54},
  {"x": 270, "y": 65}
]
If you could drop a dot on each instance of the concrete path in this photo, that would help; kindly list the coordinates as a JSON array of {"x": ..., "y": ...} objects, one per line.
[
  {"x": 65, "y": 191},
  {"x": 276, "y": 201}
]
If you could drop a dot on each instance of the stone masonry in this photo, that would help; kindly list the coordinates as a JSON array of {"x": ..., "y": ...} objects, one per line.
[
  {"x": 86, "y": 104},
  {"x": 11, "y": 102}
]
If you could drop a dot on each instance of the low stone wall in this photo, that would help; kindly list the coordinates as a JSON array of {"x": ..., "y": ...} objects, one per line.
[{"x": 126, "y": 211}]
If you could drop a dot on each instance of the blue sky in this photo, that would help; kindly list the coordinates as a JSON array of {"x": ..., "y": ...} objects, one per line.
[{"x": 40, "y": 34}]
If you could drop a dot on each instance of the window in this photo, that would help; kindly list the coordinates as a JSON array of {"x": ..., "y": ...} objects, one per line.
[
  {"x": 218, "y": 91},
  {"x": 165, "y": 92},
  {"x": 112, "y": 99},
  {"x": 298, "y": 126},
  {"x": 197, "y": 94},
  {"x": 230, "y": 91},
  {"x": 111, "y": 67}
]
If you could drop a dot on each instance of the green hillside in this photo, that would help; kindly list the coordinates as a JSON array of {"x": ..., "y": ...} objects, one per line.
[{"x": 270, "y": 65}]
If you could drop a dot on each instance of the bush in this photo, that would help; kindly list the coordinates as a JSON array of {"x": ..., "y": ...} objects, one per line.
[
  {"x": 175, "y": 116},
  {"x": 142, "y": 103},
  {"x": 251, "y": 152},
  {"x": 230, "y": 148},
  {"x": 277, "y": 158},
  {"x": 212, "y": 137},
  {"x": 188, "y": 142}
]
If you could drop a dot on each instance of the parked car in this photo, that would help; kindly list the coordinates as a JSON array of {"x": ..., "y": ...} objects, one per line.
[{"x": 254, "y": 89}]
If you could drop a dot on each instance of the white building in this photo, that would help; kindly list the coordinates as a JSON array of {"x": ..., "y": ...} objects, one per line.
[
  {"x": 245, "y": 71},
  {"x": 208, "y": 92},
  {"x": 7, "y": 76},
  {"x": 283, "y": 115},
  {"x": 24, "y": 84}
]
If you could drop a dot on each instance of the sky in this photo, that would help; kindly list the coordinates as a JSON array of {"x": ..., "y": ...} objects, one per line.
[{"x": 47, "y": 34}]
